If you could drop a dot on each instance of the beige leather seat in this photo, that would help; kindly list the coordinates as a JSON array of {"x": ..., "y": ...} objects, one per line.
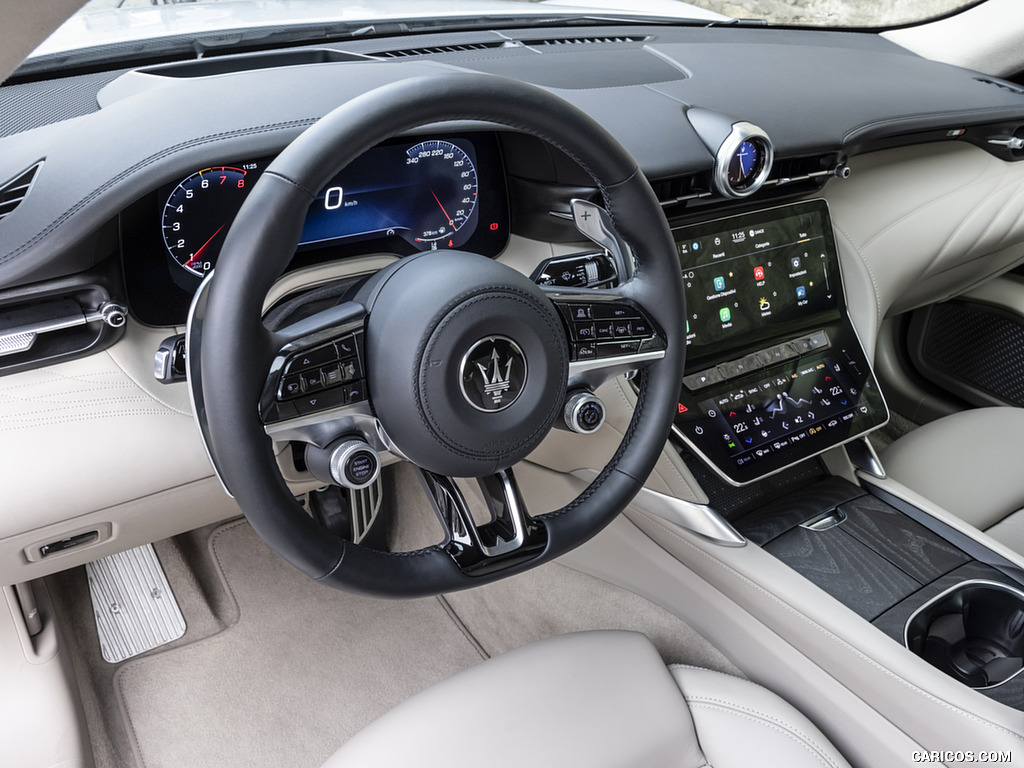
[
  {"x": 970, "y": 463},
  {"x": 590, "y": 699}
]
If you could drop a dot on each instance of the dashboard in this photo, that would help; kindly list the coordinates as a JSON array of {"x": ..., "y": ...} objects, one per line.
[{"x": 128, "y": 190}]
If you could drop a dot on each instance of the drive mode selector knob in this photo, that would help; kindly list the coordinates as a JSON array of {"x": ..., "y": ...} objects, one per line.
[
  {"x": 584, "y": 413},
  {"x": 351, "y": 463}
]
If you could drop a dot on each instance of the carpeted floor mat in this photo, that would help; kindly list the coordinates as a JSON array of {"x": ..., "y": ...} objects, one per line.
[{"x": 301, "y": 671}]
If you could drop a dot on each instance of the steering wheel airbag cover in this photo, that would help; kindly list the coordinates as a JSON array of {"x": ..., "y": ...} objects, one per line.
[{"x": 417, "y": 339}]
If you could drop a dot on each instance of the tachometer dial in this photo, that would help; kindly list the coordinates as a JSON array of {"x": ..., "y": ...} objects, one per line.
[
  {"x": 199, "y": 213},
  {"x": 447, "y": 178}
]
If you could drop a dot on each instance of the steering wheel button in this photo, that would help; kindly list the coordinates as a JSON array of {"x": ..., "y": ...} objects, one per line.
[
  {"x": 291, "y": 386},
  {"x": 350, "y": 370},
  {"x": 355, "y": 392},
  {"x": 621, "y": 330},
  {"x": 312, "y": 380},
  {"x": 346, "y": 347},
  {"x": 580, "y": 312},
  {"x": 321, "y": 401},
  {"x": 641, "y": 328},
  {"x": 332, "y": 376},
  {"x": 617, "y": 348},
  {"x": 312, "y": 358},
  {"x": 585, "y": 351},
  {"x": 605, "y": 331},
  {"x": 583, "y": 331},
  {"x": 612, "y": 311}
]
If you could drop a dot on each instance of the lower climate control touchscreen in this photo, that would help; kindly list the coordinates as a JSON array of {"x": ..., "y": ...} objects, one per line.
[{"x": 775, "y": 372}]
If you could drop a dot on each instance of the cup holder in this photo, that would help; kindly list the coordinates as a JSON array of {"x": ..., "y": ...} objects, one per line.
[{"x": 973, "y": 632}]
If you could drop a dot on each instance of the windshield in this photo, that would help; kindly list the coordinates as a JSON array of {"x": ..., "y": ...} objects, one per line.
[
  {"x": 824, "y": 13},
  {"x": 837, "y": 13},
  {"x": 197, "y": 26}
]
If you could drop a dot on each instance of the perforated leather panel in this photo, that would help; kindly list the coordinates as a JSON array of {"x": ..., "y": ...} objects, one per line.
[
  {"x": 31, "y": 105},
  {"x": 978, "y": 346}
]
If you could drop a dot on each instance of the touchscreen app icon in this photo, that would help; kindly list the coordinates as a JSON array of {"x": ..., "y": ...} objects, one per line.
[
  {"x": 719, "y": 283},
  {"x": 759, "y": 273},
  {"x": 724, "y": 314},
  {"x": 795, "y": 263},
  {"x": 801, "y": 292}
]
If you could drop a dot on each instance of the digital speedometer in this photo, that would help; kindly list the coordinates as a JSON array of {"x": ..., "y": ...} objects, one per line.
[{"x": 447, "y": 173}]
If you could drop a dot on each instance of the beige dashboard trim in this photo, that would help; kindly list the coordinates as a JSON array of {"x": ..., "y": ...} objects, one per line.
[{"x": 922, "y": 223}]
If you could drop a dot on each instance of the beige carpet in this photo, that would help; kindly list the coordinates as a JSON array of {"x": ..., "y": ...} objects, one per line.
[
  {"x": 292, "y": 669},
  {"x": 302, "y": 670}
]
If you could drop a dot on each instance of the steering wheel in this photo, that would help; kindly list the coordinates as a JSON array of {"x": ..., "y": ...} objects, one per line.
[{"x": 463, "y": 364}]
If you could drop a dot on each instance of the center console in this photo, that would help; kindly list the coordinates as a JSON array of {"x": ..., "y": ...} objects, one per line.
[
  {"x": 943, "y": 595},
  {"x": 775, "y": 371},
  {"x": 776, "y": 375}
]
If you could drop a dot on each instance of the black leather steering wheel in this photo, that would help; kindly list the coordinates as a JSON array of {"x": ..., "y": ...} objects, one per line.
[{"x": 425, "y": 325}]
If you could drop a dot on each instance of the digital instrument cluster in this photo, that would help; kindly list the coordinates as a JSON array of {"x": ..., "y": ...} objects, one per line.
[
  {"x": 400, "y": 197},
  {"x": 775, "y": 372}
]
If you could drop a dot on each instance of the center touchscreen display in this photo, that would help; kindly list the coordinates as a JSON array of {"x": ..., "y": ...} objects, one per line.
[
  {"x": 775, "y": 373},
  {"x": 757, "y": 276}
]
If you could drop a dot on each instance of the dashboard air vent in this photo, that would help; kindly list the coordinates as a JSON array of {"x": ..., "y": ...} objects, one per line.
[
  {"x": 434, "y": 50},
  {"x": 17, "y": 189},
  {"x": 788, "y": 177},
  {"x": 796, "y": 169},
  {"x": 680, "y": 189},
  {"x": 585, "y": 40}
]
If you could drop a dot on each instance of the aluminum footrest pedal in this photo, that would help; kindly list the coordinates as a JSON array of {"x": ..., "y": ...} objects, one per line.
[{"x": 133, "y": 604}]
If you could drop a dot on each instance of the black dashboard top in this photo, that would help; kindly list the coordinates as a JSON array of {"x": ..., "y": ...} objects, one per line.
[{"x": 811, "y": 91}]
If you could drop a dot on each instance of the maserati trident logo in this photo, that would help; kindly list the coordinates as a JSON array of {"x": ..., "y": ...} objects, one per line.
[
  {"x": 493, "y": 373},
  {"x": 496, "y": 385}
]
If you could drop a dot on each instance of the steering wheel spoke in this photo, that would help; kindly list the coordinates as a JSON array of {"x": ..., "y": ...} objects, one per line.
[
  {"x": 608, "y": 333},
  {"x": 510, "y": 535}
]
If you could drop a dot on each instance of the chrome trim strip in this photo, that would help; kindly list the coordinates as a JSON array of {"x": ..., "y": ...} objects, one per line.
[
  {"x": 22, "y": 337},
  {"x": 826, "y": 521},
  {"x": 862, "y": 455},
  {"x": 696, "y": 518},
  {"x": 627, "y": 361}
]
